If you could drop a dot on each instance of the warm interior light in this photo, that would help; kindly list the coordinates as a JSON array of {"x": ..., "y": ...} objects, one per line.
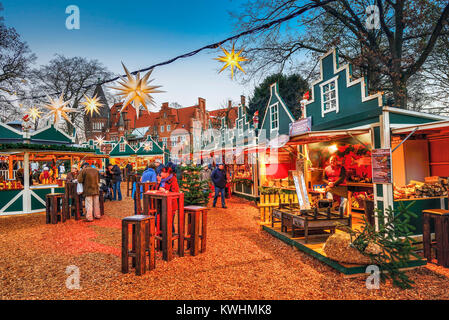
[{"x": 333, "y": 148}]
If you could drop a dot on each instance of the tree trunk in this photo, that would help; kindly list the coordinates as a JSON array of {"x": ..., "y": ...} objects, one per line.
[{"x": 399, "y": 92}]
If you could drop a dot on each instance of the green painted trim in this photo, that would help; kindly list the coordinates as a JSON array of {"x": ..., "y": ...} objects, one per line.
[
  {"x": 337, "y": 266},
  {"x": 354, "y": 120}
]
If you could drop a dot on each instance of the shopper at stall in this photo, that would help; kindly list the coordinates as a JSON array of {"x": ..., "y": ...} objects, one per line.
[
  {"x": 149, "y": 175},
  {"x": 129, "y": 169},
  {"x": 61, "y": 169},
  {"x": 71, "y": 176},
  {"x": 167, "y": 180},
  {"x": 159, "y": 167},
  {"x": 219, "y": 180},
  {"x": 334, "y": 176},
  {"x": 116, "y": 181},
  {"x": 89, "y": 177}
]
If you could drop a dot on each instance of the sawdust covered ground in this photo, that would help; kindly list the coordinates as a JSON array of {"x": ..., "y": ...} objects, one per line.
[{"x": 241, "y": 262}]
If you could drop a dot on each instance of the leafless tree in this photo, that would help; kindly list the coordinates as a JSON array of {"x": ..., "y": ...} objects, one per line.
[
  {"x": 71, "y": 76},
  {"x": 389, "y": 56},
  {"x": 15, "y": 61}
]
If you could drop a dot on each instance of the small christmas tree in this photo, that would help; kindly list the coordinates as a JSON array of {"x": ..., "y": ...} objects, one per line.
[{"x": 196, "y": 191}]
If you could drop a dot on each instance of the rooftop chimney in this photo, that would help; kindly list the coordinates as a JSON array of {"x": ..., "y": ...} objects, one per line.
[{"x": 242, "y": 100}]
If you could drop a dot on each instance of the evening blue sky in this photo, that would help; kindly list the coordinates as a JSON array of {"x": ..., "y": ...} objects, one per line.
[{"x": 139, "y": 33}]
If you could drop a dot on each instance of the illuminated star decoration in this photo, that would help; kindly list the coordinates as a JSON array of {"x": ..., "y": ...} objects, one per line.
[
  {"x": 136, "y": 91},
  {"x": 147, "y": 146},
  {"x": 91, "y": 105},
  {"x": 231, "y": 59},
  {"x": 99, "y": 140},
  {"x": 58, "y": 108},
  {"x": 34, "y": 113}
]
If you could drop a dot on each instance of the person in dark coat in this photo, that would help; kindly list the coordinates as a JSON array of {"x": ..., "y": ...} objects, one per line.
[
  {"x": 116, "y": 181},
  {"x": 219, "y": 180}
]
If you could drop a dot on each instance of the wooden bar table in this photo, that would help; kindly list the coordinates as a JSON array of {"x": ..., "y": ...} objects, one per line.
[{"x": 163, "y": 203}]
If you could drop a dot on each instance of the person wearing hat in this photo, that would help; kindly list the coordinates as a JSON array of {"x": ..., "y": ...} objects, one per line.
[
  {"x": 45, "y": 176},
  {"x": 71, "y": 176},
  {"x": 219, "y": 179},
  {"x": 159, "y": 166}
]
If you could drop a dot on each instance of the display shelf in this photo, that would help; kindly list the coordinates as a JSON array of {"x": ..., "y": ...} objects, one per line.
[{"x": 417, "y": 199}]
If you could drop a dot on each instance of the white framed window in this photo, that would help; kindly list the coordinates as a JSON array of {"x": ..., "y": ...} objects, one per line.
[
  {"x": 168, "y": 127},
  {"x": 162, "y": 128},
  {"x": 329, "y": 96},
  {"x": 174, "y": 143},
  {"x": 240, "y": 127},
  {"x": 274, "y": 117},
  {"x": 122, "y": 147},
  {"x": 164, "y": 141}
]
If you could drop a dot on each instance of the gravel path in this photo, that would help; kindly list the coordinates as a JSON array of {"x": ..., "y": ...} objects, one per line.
[{"x": 241, "y": 262}]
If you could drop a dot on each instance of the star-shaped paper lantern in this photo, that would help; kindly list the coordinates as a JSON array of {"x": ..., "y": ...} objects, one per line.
[
  {"x": 91, "y": 105},
  {"x": 34, "y": 113},
  {"x": 58, "y": 108},
  {"x": 232, "y": 60},
  {"x": 147, "y": 146},
  {"x": 99, "y": 140},
  {"x": 136, "y": 91}
]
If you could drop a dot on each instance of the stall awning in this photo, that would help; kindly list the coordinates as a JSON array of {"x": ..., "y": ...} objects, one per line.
[
  {"x": 328, "y": 135},
  {"x": 426, "y": 128}
]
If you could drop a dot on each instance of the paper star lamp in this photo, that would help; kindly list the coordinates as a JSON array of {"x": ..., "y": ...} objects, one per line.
[
  {"x": 231, "y": 59},
  {"x": 58, "y": 108},
  {"x": 99, "y": 140},
  {"x": 34, "y": 113},
  {"x": 136, "y": 91},
  {"x": 91, "y": 105},
  {"x": 147, "y": 146}
]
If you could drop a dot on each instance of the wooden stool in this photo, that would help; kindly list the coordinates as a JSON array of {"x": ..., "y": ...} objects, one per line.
[
  {"x": 196, "y": 216},
  {"x": 133, "y": 177},
  {"x": 163, "y": 203},
  {"x": 441, "y": 243},
  {"x": 55, "y": 204},
  {"x": 138, "y": 203},
  {"x": 143, "y": 238}
]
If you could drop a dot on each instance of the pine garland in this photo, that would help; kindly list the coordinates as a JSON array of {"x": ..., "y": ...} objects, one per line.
[
  {"x": 196, "y": 192},
  {"x": 49, "y": 147}
]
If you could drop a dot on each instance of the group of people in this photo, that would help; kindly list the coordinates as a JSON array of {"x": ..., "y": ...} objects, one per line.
[{"x": 89, "y": 177}]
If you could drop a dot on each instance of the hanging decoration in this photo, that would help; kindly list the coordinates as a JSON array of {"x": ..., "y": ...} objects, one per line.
[
  {"x": 58, "y": 108},
  {"x": 91, "y": 105},
  {"x": 147, "y": 146},
  {"x": 136, "y": 91},
  {"x": 232, "y": 60},
  {"x": 99, "y": 140},
  {"x": 34, "y": 113}
]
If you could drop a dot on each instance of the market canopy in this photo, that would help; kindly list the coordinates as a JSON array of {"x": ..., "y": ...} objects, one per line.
[
  {"x": 327, "y": 135},
  {"x": 427, "y": 128}
]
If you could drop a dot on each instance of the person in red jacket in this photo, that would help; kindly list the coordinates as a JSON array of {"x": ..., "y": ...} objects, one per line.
[{"x": 167, "y": 181}]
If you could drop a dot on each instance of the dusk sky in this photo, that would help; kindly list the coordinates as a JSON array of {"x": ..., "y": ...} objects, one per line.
[{"x": 139, "y": 33}]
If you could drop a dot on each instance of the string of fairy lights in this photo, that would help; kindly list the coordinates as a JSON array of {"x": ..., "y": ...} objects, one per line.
[{"x": 137, "y": 91}]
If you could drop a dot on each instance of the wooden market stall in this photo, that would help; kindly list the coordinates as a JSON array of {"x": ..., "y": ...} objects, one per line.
[
  {"x": 342, "y": 119},
  {"x": 148, "y": 152},
  {"x": 26, "y": 150}
]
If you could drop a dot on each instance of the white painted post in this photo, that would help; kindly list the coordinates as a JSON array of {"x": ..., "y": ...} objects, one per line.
[
  {"x": 26, "y": 183},
  {"x": 385, "y": 144}
]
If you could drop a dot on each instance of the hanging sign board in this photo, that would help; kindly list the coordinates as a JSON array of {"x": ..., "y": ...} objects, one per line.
[
  {"x": 300, "y": 126},
  {"x": 301, "y": 191},
  {"x": 381, "y": 164}
]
